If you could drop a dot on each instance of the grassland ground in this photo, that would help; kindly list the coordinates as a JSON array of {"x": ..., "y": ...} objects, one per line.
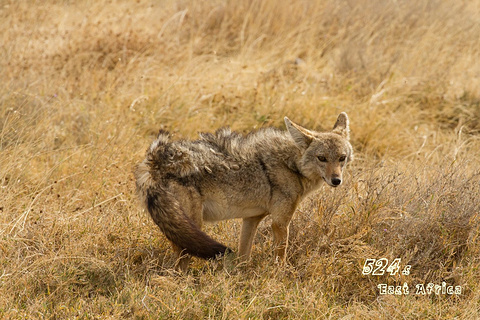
[{"x": 86, "y": 85}]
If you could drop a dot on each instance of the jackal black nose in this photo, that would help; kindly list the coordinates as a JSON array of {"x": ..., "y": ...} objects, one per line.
[{"x": 336, "y": 181}]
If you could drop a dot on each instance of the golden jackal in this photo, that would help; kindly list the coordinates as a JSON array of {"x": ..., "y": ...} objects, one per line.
[{"x": 226, "y": 175}]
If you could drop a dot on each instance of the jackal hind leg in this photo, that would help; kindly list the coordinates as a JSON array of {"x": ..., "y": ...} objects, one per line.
[
  {"x": 182, "y": 259},
  {"x": 249, "y": 228}
]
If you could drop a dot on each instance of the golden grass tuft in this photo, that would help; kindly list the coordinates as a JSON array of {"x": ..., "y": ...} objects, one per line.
[{"x": 86, "y": 85}]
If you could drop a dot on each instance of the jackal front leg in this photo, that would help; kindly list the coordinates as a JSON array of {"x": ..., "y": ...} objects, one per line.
[
  {"x": 280, "y": 222},
  {"x": 280, "y": 240}
]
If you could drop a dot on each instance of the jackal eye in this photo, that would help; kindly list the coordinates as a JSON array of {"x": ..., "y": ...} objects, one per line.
[
  {"x": 322, "y": 159},
  {"x": 342, "y": 158}
]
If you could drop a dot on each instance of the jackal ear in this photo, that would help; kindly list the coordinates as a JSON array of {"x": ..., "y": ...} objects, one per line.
[
  {"x": 342, "y": 126},
  {"x": 300, "y": 135}
]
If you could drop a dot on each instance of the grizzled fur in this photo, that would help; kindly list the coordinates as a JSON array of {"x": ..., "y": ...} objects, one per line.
[{"x": 226, "y": 175}]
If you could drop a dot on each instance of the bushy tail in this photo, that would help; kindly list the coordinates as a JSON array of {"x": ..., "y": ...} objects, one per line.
[
  {"x": 165, "y": 209},
  {"x": 178, "y": 227}
]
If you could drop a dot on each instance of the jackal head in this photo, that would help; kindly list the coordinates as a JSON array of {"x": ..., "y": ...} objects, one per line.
[{"x": 323, "y": 154}]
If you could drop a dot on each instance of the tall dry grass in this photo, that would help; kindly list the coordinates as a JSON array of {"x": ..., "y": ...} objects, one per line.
[{"x": 86, "y": 85}]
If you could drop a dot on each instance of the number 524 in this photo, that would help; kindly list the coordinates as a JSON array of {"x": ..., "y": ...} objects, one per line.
[{"x": 378, "y": 267}]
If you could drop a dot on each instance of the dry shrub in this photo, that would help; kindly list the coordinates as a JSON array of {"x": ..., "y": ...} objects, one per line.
[{"x": 430, "y": 224}]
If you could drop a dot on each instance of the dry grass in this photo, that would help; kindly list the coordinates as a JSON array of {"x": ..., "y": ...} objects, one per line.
[{"x": 86, "y": 85}]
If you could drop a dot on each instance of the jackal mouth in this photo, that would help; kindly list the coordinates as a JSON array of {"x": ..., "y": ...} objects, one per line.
[
  {"x": 335, "y": 182},
  {"x": 328, "y": 182}
]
